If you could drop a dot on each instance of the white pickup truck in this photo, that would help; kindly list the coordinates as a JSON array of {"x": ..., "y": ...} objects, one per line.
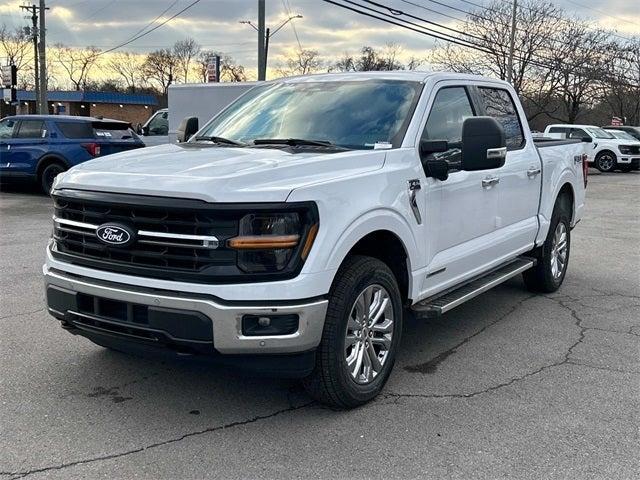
[
  {"x": 293, "y": 231},
  {"x": 606, "y": 152}
]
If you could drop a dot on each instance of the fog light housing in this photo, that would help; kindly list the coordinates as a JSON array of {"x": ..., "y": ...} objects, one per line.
[{"x": 265, "y": 325}]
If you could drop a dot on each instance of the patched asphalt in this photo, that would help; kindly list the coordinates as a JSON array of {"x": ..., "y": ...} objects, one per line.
[{"x": 509, "y": 385}]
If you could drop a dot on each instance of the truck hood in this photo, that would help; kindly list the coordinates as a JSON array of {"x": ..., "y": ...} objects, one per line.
[{"x": 216, "y": 174}]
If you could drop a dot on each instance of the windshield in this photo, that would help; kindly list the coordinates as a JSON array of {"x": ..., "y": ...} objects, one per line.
[
  {"x": 623, "y": 135},
  {"x": 352, "y": 114},
  {"x": 598, "y": 132}
]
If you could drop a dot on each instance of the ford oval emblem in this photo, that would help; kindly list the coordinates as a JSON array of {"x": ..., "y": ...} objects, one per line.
[{"x": 113, "y": 234}]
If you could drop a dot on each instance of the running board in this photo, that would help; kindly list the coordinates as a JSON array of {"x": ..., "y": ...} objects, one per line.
[{"x": 443, "y": 302}]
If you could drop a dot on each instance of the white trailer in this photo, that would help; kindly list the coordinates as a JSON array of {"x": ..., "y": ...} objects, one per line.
[{"x": 202, "y": 100}]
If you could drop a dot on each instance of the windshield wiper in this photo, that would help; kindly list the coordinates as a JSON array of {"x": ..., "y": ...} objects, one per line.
[
  {"x": 294, "y": 142},
  {"x": 221, "y": 140}
]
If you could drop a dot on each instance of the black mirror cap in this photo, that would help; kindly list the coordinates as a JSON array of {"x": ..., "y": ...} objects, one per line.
[
  {"x": 480, "y": 134},
  {"x": 188, "y": 127},
  {"x": 438, "y": 169},
  {"x": 427, "y": 147},
  {"x": 587, "y": 139}
]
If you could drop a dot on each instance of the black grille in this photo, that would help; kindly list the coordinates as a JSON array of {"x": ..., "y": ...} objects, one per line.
[{"x": 173, "y": 217}]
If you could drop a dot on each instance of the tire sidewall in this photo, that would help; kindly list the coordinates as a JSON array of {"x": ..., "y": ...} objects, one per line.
[
  {"x": 379, "y": 274},
  {"x": 46, "y": 188}
]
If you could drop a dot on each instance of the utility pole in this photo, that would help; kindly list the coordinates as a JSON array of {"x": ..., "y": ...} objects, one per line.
[
  {"x": 34, "y": 34},
  {"x": 42, "y": 52},
  {"x": 512, "y": 41},
  {"x": 262, "y": 70}
]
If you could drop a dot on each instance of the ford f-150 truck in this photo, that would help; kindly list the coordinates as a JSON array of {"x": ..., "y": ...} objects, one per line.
[{"x": 293, "y": 231}]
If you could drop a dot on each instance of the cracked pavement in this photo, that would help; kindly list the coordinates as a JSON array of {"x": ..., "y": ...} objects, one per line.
[{"x": 509, "y": 385}]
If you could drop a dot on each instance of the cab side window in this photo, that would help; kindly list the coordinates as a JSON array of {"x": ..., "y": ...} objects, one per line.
[
  {"x": 30, "y": 129},
  {"x": 499, "y": 105},
  {"x": 7, "y": 126},
  {"x": 450, "y": 109},
  {"x": 159, "y": 125}
]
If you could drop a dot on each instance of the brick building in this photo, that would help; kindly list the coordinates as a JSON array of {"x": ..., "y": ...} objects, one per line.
[{"x": 130, "y": 107}]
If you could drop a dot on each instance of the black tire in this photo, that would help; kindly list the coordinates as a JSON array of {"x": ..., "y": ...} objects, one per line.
[
  {"x": 606, "y": 161},
  {"x": 541, "y": 278},
  {"x": 331, "y": 382},
  {"x": 48, "y": 174}
]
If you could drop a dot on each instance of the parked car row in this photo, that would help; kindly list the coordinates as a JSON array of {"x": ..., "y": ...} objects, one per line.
[{"x": 609, "y": 148}]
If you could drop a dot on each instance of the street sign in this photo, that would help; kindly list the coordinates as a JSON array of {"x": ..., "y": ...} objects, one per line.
[
  {"x": 9, "y": 75},
  {"x": 9, "y": 95},
  {"x": 616, "y": 122},
  {"x": 213, "y": 70}
]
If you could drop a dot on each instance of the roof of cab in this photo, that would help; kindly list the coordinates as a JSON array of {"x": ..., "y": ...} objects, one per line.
[
  {"x": 66, "y": 118},
  {"x": 406, "y": 75}
]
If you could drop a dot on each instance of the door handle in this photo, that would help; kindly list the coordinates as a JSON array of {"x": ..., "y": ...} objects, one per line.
[
  {"x": 532, "y": 172},
  {"x": 490, "y": 181}
]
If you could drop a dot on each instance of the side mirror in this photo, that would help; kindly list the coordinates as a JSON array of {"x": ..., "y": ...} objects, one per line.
[
  {"x": 187, "y": 128},
  {"x": 587, "y": 139},
  {"x": 145, "y": 130},
  {"x": 139, "y": 129},
  {"x": 484, "y": 145},
  {"x": 436, "y": 168}
]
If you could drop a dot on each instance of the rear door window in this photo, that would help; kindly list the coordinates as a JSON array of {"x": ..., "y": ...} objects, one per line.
[
  {"x": 499, "y": 105},
  {"x": 31, "y": 129}
]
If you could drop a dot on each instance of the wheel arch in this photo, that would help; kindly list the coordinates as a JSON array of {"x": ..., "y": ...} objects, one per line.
[
  {"x": 47, "y": 159},
  {"x": 566, "y": 198}
]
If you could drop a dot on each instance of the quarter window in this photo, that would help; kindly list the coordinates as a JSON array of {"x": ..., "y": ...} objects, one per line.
[
  {"x": 499, "y": 105},
  {"x": 30, "y": 129}
]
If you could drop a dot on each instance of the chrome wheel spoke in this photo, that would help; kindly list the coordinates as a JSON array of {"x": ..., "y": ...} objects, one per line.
[{"x": 369, "y": 332}]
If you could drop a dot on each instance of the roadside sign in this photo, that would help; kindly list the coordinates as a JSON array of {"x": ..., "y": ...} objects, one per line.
[
  {"x": 9, "y": 75},
  {"x": 9, "y": 94},
  {"x": 616, "y": 122},
  {"x": 213, "y": 70}
]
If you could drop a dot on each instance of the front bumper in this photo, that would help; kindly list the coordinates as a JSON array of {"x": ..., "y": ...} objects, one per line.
[
  {"x": 65, "y": 293},
  {"x": 631, "y": 161}
]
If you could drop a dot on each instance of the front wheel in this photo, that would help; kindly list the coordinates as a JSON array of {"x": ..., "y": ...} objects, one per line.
[
  {"x": 360, "y": 337},
  {"x": 606, "y": 162}
]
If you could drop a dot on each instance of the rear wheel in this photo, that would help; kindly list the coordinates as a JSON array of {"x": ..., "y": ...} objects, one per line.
[
  {"x": 360, "y": 337},
  {"x": 606, "y": 162},
  {"x": 553, "y": 256},
  {"x": 48, "y": 175}
]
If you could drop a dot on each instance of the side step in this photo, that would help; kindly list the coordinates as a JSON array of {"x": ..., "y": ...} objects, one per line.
[{"x": 445, "y": 301}]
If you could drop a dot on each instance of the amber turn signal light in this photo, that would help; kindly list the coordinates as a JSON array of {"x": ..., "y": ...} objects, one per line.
[{"x": 264, "y": 242}]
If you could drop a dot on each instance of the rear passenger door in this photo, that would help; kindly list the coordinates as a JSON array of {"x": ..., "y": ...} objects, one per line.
[
  {"x": 28, "y": 145},
  {"x": 520, "y": 177}
]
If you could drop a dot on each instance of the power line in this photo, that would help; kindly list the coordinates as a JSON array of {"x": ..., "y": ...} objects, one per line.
[
  {"x": 155, "y": 19},
  {"x": 457, "y": 41},
  {"x": 287, "y": 7},
  {"x": 151, "y": 30},
  {"x": 603, "y": 13}
]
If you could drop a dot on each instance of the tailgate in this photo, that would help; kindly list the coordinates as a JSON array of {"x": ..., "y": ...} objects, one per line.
[{"x": 114, "y": 136}]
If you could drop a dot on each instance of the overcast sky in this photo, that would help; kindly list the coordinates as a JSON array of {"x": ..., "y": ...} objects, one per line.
[{"x": 214, "y": 23}]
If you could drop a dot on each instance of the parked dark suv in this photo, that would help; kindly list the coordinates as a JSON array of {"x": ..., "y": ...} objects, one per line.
[{"x": 39, "y": 147}]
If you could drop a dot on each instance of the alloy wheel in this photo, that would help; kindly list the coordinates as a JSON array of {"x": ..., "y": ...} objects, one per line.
[
  {"x": 369, "y": 334},
  {"x": 559, "y": 249}
]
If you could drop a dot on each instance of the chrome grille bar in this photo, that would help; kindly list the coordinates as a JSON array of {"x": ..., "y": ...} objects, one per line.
[{"x": 173, "y": 239}]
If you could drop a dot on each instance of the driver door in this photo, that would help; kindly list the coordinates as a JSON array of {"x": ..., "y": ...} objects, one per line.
[{"x": 462, "y": 210}]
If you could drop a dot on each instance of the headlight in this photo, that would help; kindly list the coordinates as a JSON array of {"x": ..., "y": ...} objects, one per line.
[{"x": 268, "y": 242}]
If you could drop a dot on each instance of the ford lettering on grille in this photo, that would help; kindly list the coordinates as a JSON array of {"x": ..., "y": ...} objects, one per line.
[{"x": 112, "y": 234}]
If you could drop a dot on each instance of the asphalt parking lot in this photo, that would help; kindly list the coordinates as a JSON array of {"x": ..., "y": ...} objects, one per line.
[{"x": 509, "y": 385}]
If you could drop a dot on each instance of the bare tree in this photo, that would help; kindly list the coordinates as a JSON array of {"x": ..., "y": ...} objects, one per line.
[
  {"x": 303, "y": 62},
  {"x": 16, "y": 47},
  {"x": 77, "y": 63},
  {"x": 184, "y": 52},
  {"x": 230, "y": 70},
  {"x": 160, "y": 67},
  {"x": 621, "y": 90},
  {"x": 371, "y": 59},
  {"x": 127, "y": 67}
]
